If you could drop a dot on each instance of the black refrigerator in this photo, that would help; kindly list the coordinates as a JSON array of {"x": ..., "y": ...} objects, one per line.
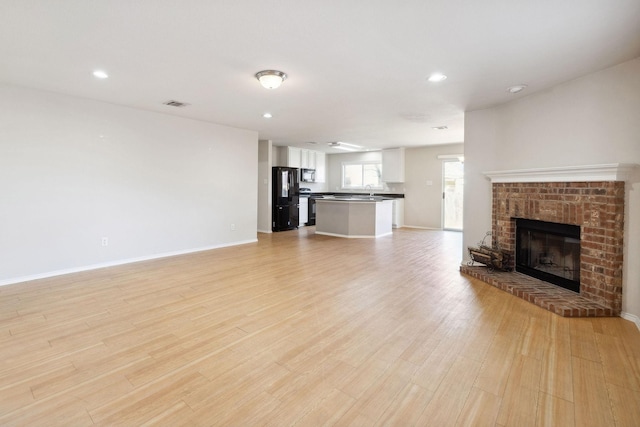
[{"x": 285, "y": 199}]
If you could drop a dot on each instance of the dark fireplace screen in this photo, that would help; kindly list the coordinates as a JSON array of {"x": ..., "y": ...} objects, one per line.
[{"x": 549, "y": 252}]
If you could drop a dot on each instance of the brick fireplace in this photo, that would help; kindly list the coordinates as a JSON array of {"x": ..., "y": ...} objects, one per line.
[{"x": 597, "y": 206}]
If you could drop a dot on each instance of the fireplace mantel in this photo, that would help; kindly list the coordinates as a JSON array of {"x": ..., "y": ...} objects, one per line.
[{"x": 605, "y": 172}]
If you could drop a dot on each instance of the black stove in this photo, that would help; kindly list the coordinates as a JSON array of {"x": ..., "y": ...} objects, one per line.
[{"x": 305, "y": 192}]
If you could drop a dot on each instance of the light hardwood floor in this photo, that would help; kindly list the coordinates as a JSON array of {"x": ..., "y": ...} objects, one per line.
[{"x": 307, "y": 330}]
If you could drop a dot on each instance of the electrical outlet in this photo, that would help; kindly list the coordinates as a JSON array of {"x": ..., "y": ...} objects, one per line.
[
  {"x": 233, "y": 227},
  {"x": 429, "y": 182},
  {"x": 105, "y": 241}
]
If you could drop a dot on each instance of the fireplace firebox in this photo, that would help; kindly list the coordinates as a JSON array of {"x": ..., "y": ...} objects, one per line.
[{"x": 549, "y": 251}]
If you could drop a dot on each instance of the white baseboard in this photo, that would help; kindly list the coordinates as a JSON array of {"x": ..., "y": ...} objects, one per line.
[
  {"x": 265, "y": 231},
  {"x": 48, "y": 274},
  {"x": 631, "y": 317}
]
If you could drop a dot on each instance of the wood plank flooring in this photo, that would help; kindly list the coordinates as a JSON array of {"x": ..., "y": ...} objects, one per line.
[{"x": 307, "y": 330}]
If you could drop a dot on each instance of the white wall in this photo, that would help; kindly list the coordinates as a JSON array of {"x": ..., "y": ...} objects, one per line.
[
  {"x": 74, "y": 170},
  {"x": 423, "y": 203},
  {"x": 265, "y": 160},
  {"x": 591, "y": 120}
]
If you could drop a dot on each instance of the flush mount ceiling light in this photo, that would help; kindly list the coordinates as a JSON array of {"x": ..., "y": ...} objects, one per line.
[
  {"x": 271, "y": 79},
  {"x": 267, "y": 115},
  {"x": 100, "y": 74},
  {"x": 349, "y": 145},
  {"x": 344, "y": 146},
  {"x": 516, "y": 88},
  {"x": 437, "y": 77}
]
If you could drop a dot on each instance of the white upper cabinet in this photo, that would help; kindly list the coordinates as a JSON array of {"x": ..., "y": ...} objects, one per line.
[
  {"x": 290, "y": 157},
  {"x": 307, "y": 159},
  {"x": 313, "y": 159},
  {"x": 295, "y": 157},
  {"x": 393, "y": 165},
  {"x": 321, "y": 169}
]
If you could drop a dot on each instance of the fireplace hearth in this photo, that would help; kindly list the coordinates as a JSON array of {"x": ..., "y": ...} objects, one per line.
[{"x": 549, "y": 251}]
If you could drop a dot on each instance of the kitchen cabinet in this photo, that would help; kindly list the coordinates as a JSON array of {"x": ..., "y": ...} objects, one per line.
[
  {"x": 321, "y": 168},
  {"x": 312, "y": 159},
  {"x": 393, "y": 165},
  {"x": 293, "y": 157},
  {"x": 398, "y": 213},
  {"x": 354, "y": 218},
  {"x": 290, "y": 157},
  {"x": 308, "y": 159},
  {"x": 303, "y": 212}
]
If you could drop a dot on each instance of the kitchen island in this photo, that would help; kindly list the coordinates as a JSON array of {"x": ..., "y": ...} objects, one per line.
[{"x": 354, "y": 217}]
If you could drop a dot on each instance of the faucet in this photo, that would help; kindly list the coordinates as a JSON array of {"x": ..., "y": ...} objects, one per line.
[{"x": 370, "y": 189}]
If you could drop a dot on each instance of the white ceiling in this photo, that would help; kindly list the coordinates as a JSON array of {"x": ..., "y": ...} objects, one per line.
[{"x": 357, "y": 68}]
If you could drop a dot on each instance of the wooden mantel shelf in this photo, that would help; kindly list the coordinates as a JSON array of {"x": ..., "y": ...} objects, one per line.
[{"x": 605, "y": 172}]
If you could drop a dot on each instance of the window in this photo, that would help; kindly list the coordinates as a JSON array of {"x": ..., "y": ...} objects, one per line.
[{"x": 360, "y": 175}]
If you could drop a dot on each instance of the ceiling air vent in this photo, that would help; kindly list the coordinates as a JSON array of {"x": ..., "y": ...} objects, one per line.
[{"x": 173, "y": 103}]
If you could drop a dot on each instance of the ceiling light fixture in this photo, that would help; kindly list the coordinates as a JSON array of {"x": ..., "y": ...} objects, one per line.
[
  {"x": 440, "y": 127},
  {"x": 343, "y": 146},
  {"x": 267, "y": 115},
  {"x": 100, "y": 74},
  {"x": 437, "y": 77},
  {"x": 340, "y": 147},
  {"x": 516, "y": 88},
  {"x": 271, "y": 79},
  {"x": 349, "y": 145}
]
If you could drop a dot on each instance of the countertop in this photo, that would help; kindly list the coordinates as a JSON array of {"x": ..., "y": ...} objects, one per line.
[
  {"x": 385, "y": 195},
  {"x": 354, "y": 199}
]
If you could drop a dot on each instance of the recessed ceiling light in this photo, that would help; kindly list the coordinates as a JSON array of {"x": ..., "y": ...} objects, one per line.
[
  {"x": 100, "y": 74},
  {"x": 437, "y": 77},
  {"x": 516, "y": 88},
  {"x": 267, "y": 115},
  {"x": 440, "y": 127}
]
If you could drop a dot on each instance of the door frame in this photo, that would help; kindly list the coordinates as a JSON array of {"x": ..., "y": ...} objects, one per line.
[{"x": 443, "y": 212}]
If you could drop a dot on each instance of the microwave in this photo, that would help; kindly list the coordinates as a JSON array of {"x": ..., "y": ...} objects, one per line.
[{"x": 307, "y": 175}]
